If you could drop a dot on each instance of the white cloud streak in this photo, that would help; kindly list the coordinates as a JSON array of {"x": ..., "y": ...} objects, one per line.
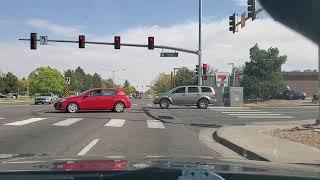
[
  {"x": 67, "y": 31},
  {"x": 220, "y": 47}
]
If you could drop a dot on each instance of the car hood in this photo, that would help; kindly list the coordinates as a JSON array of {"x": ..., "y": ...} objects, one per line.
[{"x": 36, "y": 162}]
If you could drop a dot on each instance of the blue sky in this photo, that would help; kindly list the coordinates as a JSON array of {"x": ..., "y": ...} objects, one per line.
[
  {"x": 171, "y": 22},
  {"x": 107, "y": 16}
]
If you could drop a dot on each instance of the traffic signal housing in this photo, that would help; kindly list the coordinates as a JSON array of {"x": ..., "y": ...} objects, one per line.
[
  {"x": 117, "y": 42},
  {"x": 196, "y": 71},
  {"x": 82, "y": 39},
  {"x": 252, "y": 9},
  {"x": 232, "y": 23},
  {"x": 204, "y": 69},
  {"x": 33, "y": 41},
  {"x": 151, "y": 43}
]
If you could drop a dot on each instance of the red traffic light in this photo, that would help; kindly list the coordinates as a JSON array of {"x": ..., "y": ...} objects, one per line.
[
  {"x": 150, "y": 42},
  {"x": 117, "y": 42},
  {"x": 82, "y": 39}
]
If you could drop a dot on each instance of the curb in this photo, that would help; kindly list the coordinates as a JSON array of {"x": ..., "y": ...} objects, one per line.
[{"x": 241, "y": 151}]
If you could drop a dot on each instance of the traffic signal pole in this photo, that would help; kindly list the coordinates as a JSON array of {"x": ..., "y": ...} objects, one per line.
[
  {"x": 123, "y": 44},
  {"x": 200, "y": 50}
]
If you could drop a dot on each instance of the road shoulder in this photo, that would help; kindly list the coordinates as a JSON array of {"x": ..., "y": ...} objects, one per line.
[{"x": 253, "y": 142}]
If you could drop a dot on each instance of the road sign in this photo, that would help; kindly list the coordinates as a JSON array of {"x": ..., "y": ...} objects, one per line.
[
  {"x": 222, "y": 79},
  {"x": 67, "y": 80},
  {"x": 169, "y": 54},
  {"x": 43, "y": 40}
]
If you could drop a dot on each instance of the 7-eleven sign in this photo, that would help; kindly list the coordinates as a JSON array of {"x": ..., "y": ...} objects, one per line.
[{"x": 222, "y": 79}]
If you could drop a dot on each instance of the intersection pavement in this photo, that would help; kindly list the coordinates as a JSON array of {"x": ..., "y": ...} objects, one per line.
[{"x": 144, "y": 130}]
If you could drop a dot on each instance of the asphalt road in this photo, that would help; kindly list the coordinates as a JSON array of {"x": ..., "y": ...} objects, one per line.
[{"x": 145, "y": 130}]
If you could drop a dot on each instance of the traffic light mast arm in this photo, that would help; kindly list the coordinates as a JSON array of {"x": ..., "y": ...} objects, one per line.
[{"x": 124, "y": 44}]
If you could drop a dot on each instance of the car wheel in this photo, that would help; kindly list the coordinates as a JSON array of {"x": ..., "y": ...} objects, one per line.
[
  {"x": 72, "y": 108},
  {"x": 36, "y": 103},
  {"x": 118, "y": 107},
  {"x": 203, "y": 104},
  {"x": 164, "y": 103}
]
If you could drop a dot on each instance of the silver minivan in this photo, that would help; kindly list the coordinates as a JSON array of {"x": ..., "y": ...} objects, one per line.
[{"x": 201, "y": 96}]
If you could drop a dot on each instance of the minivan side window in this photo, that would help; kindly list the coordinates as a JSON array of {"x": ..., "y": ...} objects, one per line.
[
  {"x": 193, "y": 90},
  {"x": 206, "y": 89},
  {"x": 180, "y": 90}
]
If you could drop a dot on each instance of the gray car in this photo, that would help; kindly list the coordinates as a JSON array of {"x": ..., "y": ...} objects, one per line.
[
  {"x": 201, "y": 96},
  {"x": 45, "y": 98}
]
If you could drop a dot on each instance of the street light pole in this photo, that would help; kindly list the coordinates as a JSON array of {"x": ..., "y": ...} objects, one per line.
[
  {"x": 200, "y": 50},
  {"x": 233, "y": 74},
  {"x": 113, "y": 71},
  {"x": 318, "y": 119}
]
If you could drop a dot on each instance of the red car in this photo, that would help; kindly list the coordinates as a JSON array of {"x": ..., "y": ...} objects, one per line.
[{"x": 95, "y": 99}]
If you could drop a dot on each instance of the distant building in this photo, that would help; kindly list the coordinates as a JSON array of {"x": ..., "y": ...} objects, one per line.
[{"x": 306, "y": 81}]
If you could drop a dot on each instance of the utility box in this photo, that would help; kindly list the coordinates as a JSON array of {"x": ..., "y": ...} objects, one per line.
[
  {"x": 219, "y": 97},
  {"x": 236, "y": 96}
]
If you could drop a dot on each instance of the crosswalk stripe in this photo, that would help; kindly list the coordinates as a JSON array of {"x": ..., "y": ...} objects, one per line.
[
  {"x": 217, "y": 107},
  {"x": 155, "y": 124},
  {"x": 254, "y": 114},
  {"x": 67, "y": 122},
  {"x": 231, "y": 110},
  {"x": 245, "y": 112},
  {"x": 1, "y": 118},
  {"x": 115, "y": 123},
  {"x": 265, "y": 117},
  {"x": 88, "y": 147},
  {"x": 24, "y": 122}
]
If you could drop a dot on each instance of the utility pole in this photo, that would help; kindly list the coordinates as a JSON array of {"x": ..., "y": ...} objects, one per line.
[
  {"x": 200, "y": 50},
  {"x": 318, "y": 119}
]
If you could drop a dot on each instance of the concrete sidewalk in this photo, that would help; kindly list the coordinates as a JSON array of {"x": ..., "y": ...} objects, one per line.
[{"x": 252, "y": 142}]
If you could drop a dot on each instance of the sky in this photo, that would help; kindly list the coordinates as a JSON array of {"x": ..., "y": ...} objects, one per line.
[{"x": 171, "y": 22}]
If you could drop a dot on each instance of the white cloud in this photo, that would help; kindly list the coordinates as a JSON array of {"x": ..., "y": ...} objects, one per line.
[
  {"x": 220, "y": 47},
  {"x": 240, "y": 2},
  {"x": 62, "y": 30}
]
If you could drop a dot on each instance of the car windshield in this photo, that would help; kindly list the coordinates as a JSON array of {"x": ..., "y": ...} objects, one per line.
[
  {"x": 45, "y": 94},
  {"x": 141, "y": 80}
]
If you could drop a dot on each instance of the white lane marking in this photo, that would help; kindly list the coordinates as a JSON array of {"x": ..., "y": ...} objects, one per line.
[
  {"x": 149, "y": 104},
  {"x": 245, "y": 112},
  {"x": 151, "y": 156},
  {"x": 238, "y": 110},
  {"x": 1, "y": 118},
  {"x": 115, "y": 123},
  {"x": 155, "y": 124},
  {"x": 88, "y": 147},
  {"x": 265, "y": 117},
  {"x": 217, "y": 107},
  {"x": 67, "y": 122},
  {"x": 24, "y": 122},
  {"x": 115, "y": 157},
  {"x": 134, "y": 104},
  {"x": 254, "y": 114}
]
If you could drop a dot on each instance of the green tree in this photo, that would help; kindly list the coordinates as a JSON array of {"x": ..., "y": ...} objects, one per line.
[
  {"x": 108, "y": 83},
  {"x": 129, "y": 90},
  {"x": 162, "y": 83},
  {"x": 22, "y": 85},
  {"x": 262, "y": 75},
  {"x": 10, "y": 82},
  {"x": 184, "y": 77},
  {"x": 46, "y": 79},
  {"x": 126, "y": 84},
  {"x": 96, "y": 80}
]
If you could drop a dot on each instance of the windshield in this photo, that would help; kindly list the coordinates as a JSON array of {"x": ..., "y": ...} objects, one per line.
[{"x": 199, "y": 79}]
